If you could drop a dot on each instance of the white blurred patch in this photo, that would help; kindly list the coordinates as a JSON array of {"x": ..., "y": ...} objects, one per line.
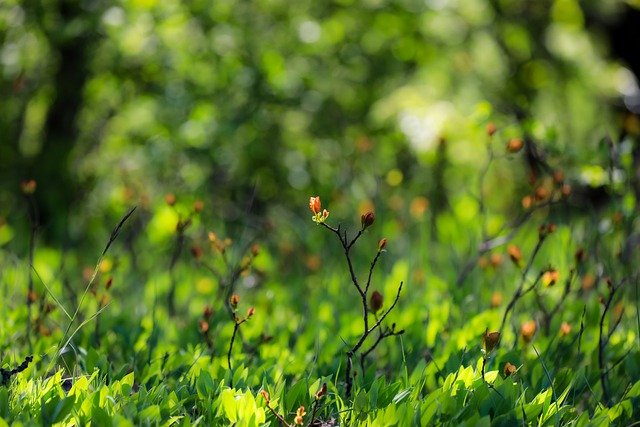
[
  {"x": 113, "y": 17},
  {"x": 627, "y": 84},
  {"x": 309, "y": 31},
  {"x": 424, "y": 129}
]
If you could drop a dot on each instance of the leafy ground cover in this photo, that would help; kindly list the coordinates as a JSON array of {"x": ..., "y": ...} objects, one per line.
[{"x": 535, "y": 323}]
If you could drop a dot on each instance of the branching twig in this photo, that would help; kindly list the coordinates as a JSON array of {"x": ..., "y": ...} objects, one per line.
[
  {"x": 382, "y": 334},
  {"x": 365, "y": 335},
  {"x": 367, "y": 220},
  {"x": 500, "y": 238},
  {"x": 519, "y": 291}
]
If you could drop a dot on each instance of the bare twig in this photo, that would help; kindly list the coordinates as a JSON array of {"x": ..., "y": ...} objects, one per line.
[
  {"x": 365, "y": 335},
  {"x": 500, "y": 238},
  {"x": 33, "y": 223},
  {"x": 236, "y": 326},
  {"x": 520, "y": 291},
  {"x": 367, "y": 220},
  {"x": 280, "y": 418},
  {"x": 602, "y": 343}
]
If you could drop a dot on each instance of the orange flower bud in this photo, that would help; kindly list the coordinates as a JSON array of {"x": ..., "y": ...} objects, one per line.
[
  {"x": 496, "y": 299},
  {"x": 495, "y": 260},
  {"x": 550, "y": 277},
  {"x": 528, "y": 330},
  {"x": 515, "y": 254},
  {"x": 29, "y": 186},
  {"x": 322, "y": 391},
  {"x": 265, "y": 395},
  {"x": 588, "y": 282},
  {"x": 375, "y": 301},
  {"x": 558, "y": 176},
  {"x": 541, "y": 193},
  {"x": 196, "y": 251},
  {"x": 198, "y": 206},
  {"x": 203, "y": 326},
  {"x": 234, "y": 300},
  {"x": 565, "y": 190},
  {"x": 514, "y": 145},
  {"x": 315, "y": 205},
  {"x": 367, "y": 219},
  {"x": 251, "y": 312},
  {"x": 490, "y": 340},
  {"x": 300, "y": 413},
  {"x": 565, "y": 329},
  {"x": 491, "y": 128},
  {"x": 170, "y": 199},
  {"x": 255, "y": 249},
  {"x": 509, "y": 369},
  {"x": 527, "y": 202},
  {"x": 382, "y": 244}
]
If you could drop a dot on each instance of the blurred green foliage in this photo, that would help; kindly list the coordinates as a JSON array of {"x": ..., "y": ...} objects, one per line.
[
  {"x": 219, "y": 120},
  {"x": 254, "y": 104}
]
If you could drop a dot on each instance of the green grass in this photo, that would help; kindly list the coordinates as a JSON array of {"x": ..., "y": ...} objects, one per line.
[{"x": 148, "y": 342}]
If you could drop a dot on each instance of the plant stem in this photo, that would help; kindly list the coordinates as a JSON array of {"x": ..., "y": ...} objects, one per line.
[{"x": 519, "y": 291}]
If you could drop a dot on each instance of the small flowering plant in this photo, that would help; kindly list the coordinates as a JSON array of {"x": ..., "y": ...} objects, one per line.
[
  {"x": 319, "y": 215},
  {"x": 372, "y": 304}
]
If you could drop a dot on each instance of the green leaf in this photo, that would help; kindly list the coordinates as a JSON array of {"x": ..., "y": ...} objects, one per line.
[
  {"x": 4, "y": 402},
  {"x": 401, "y": 395},
  {"x": 229, "y": 404},
  {"x": 55, "y": 411},
  {"x": 204, "y": 385},
  {"x": 100, "y": 417},
  {"x": 295, "y": 396},
  {"x": 150, "y": 415}
]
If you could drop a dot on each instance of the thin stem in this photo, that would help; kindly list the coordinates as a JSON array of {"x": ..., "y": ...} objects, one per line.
[
  {"x": 356, "y": 347},
  {"x": 519, "y": 291},
  {"x": 236, "y": 326},
  {"x": 499, "y": 239},
  {"x": 316, "y": 404},
  {"x": 175, "y": 256},
  {"x": 278, "y": 416},
  {"x": 553, "y": 389},
  {"x": 382, "y": 335},
  {"x": 602, "y": 342},
  {"x": 373, "y": 264},
  {"x": 30, "y": 292},
  {"x": 112, "y": 238},
  {"x": 481, "y": 181}
]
